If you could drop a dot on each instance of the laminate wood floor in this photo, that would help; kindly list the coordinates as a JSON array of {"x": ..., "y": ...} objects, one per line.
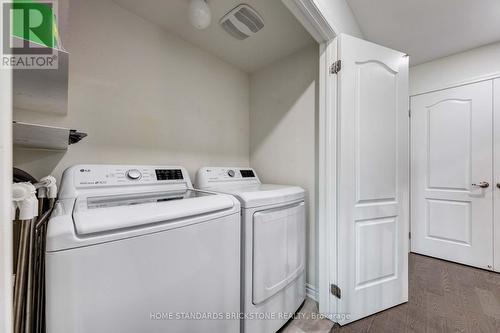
[{"x": 443, "y": 297}]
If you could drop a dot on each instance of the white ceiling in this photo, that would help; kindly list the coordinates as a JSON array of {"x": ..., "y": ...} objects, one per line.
[
  {"x": 428, "y": 29},
  {"x": 282, "y": 33}
]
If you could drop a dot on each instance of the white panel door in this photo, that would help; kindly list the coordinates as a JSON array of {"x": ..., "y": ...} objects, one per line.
[
  {"x": 372, "y": 178},
  {"x": 452, "y": 174},
  {"x": 496, "y": 189}
]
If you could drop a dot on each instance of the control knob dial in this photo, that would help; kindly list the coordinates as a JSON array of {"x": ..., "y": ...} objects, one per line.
[{"x": 134, "y": 174}]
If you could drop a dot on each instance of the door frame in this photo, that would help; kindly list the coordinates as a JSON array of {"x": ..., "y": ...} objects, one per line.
[
  {"x": 6, "y": 202},
  {"x": 309, "y": 15},
  {"x": 327, "y": 181},
  {"x": 492, "y": 76}
]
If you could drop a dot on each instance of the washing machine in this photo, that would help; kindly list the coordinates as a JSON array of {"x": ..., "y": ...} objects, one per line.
[
  {"x": 135, "y": 248},
  {"x": 273, "y": 245}
]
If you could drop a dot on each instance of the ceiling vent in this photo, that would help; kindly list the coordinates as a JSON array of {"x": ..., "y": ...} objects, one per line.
[{"x": 242, "y": 22}]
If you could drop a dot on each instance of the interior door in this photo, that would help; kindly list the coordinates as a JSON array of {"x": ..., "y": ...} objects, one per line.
[
  {"x": 452, "y": 174},
  {"x": 372, "y": 178}
]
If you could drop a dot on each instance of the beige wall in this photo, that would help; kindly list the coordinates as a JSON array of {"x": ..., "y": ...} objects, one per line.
[
  {"x": 143, "y": 96},
  {"x": 283, "y": 122},
  {"x": 455, "y": 69}
]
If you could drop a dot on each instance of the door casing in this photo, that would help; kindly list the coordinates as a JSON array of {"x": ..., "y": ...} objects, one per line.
[
  {"x": 496, "y": 174},
  {"x": 6, "y": 200}
]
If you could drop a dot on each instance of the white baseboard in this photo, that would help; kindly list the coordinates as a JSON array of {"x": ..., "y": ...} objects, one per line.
[{"x": 312, "y": 292}]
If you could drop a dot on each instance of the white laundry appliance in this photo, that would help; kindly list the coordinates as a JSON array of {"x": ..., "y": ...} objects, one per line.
[
  {"x": 135, "y": 249},
  {"x": 273, "y": 245}
]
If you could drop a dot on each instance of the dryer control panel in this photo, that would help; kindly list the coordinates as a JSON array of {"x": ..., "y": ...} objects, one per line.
[{"x": 211, "y": 175}]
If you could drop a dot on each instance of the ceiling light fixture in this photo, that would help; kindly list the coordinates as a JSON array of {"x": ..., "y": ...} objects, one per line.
[{"x": 200, "y": 15}]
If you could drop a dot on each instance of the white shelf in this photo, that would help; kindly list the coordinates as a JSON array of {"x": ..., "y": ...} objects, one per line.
[
  {"x": 35, "y": 136},
  {"x": 42, "y": 90}
]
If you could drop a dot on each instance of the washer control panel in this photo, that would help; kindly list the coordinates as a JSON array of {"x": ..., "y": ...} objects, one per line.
[{"x": 114, "y": 175}]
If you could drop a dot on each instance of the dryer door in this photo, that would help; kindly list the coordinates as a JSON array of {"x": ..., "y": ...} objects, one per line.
[{"x": 278, "y": 249}]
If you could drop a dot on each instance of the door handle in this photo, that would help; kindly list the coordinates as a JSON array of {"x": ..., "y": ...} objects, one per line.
[
  {"x": 484, "y": 185},
  {"x": 498, "y": 185}
]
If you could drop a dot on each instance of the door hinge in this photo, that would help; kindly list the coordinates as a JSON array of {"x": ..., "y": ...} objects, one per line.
[
  {"x": 409, "y": 235},
  {"x": 409, "y": 113},
  {"x": 336, "y": 67},
  {"x": 335, "y": 290}
]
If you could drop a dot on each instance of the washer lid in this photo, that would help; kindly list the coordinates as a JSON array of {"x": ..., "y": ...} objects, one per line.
[
  {"x": 104, "y": 213},
  {"x": 256, "y": 195}
]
